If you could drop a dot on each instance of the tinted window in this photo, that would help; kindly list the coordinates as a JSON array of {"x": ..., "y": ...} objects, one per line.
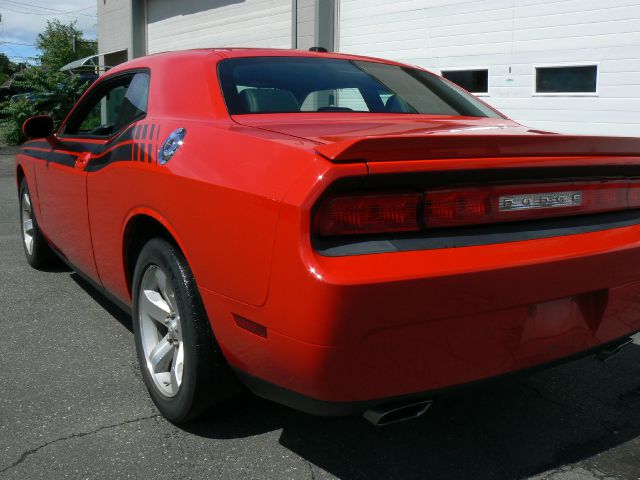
[
  {"x": 475, "y": 81},
  {"x": 104, "y": 112},
  {"x": 581, "y": 79},
  {"x": 112, "y": 107},
  {"x": 346, "y": 99},
  {"x": 294, "y": 84}
]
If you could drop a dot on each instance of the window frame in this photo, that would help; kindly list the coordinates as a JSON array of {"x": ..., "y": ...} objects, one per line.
[
  {"x": 536, "y": 66},
  {"x": 466, "y": 69},
  {"x": 97, "y": 90}
]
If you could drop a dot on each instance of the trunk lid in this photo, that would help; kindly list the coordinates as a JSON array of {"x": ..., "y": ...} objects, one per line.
[{"x": 382, "y": 138}]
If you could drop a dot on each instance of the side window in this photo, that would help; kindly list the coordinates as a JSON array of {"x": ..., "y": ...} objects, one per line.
[
  {"x": 103, "y": 114},
  {"x": 123, "y": 102}
]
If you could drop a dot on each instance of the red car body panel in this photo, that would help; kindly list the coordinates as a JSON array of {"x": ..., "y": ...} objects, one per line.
[{"x": 238, "y": 199}]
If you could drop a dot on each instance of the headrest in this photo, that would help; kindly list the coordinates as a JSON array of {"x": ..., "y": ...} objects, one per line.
[{"x": 257, "y": 100}]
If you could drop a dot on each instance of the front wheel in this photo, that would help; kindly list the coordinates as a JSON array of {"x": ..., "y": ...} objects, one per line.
[
  {"x": 181, "y": 363},
  {"x": 36, "y": 248}
]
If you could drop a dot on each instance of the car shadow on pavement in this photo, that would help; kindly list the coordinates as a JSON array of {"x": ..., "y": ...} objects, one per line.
[
  {"x": 122, "y": 317},
  {"x": 509, "y": 429},
  {"x": 55, "y": 266}
]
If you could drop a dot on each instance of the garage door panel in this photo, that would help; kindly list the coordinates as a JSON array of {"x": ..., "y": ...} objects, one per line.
[{"x": 218, "y": 23}]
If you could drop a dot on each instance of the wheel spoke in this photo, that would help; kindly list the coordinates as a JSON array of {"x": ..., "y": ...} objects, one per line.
[
  {"x": 29, "y": 243},
  {"x": 176, "y": 368},
  {"x": 161, "y": 355},
  {"x": 26, "y": 204},
  {"x": 155, "y": 306},
  {"x": 27, "y": 225},
  {"x": 161, "y": 278},
  {"x": 164, "y": 287}
]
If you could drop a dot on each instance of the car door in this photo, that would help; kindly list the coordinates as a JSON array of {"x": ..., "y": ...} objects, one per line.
[{"x": 98, "y": 124}]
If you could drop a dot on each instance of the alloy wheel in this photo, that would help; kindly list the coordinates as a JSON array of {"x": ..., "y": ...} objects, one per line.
[
  {"x": 161, "y": 331},
  {"x": 27, "y": 223}
]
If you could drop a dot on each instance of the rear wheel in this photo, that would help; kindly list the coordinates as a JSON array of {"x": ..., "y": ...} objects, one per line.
[
  {"x": 36, "y": 248},
  {"x": 181, "y": 363}
]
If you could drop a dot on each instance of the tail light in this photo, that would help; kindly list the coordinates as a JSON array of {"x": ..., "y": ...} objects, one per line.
[
  {"x": 455, "y": 207},
  {"x": 356, "y": 214},
  {"x": 473, "y": 206}
]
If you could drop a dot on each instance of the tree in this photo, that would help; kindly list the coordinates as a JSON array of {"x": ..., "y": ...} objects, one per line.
[
  {"x": 7, "y": 68},
  {"x": 62, "y": 43},
  {"x": 50, "y": 93},
  {"x": 44, "y": 89}
]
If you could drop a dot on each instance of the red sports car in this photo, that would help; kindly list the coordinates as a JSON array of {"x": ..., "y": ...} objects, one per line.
[{"x": 337, "y": 233}]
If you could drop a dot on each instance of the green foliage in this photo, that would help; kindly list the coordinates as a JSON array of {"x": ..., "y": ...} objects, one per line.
[
  {"x": 44, "y": 90},
  {"x": 7, "y": 67},
  {"x": 12, "y": 116},
  {"x": 46, "y": 93},
  {"x": 56, "y": 45}
]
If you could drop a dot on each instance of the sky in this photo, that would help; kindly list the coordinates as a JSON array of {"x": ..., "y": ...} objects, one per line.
[{"x": 21, "y": 21}]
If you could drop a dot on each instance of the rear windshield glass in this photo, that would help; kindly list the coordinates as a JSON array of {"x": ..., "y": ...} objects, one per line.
[{"x": 295, "y": 84}]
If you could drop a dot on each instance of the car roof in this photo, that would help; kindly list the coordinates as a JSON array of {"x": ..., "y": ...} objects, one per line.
[
  {"x": 236, "y": 52},
  {"x": 268, "y": 52},
  {"x": 182, "y": 67}
]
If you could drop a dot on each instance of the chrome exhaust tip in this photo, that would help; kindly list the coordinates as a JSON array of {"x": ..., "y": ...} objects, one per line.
[
  {"x": 613, "y": 350},
  {"x": 388, "y": 415}
]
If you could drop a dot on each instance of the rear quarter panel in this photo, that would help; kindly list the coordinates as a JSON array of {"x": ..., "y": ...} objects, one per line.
[{"x": 219, "y": 196}]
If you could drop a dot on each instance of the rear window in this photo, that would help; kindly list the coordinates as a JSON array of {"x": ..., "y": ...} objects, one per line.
[{"x": 294, "y": 84}]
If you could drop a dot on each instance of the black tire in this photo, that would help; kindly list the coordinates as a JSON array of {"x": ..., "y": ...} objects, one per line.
[
  {"x": 41, "y": 255},
  {"x": 207, "y": 380}
]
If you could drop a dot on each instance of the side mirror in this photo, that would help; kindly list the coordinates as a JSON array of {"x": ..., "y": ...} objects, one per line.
[{"x": 40, "y": 126}]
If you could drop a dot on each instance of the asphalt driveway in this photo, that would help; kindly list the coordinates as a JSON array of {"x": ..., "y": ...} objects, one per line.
[{"x": 72, "y": 405}]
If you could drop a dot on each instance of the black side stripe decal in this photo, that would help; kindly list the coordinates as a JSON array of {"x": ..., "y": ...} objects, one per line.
[
  {"x": 79, "y": 146},
  {"x": 121, "y": 153},
  {"x": 124, "y": 150},
  {"x": 53, "y": 157}
]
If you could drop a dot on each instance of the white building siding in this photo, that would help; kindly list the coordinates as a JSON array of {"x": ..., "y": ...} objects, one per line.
[
  {"x": 114, "y": 25},
  {"x": 306, "y": 24},
  {"x": 517, "y": 35},
  {"x": 175, "y": 25}
]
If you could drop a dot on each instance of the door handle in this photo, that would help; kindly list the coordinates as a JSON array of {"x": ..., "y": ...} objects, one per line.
[{"x": 83, "y": 159}]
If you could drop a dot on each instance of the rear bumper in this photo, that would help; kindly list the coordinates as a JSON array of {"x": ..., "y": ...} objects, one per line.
[
  {"x": 314, "y": 406},
  {"x": 377, "y": 365}
]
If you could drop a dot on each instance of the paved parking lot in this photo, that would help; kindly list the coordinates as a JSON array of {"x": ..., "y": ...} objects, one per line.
[{"x": 72, "y": 405}]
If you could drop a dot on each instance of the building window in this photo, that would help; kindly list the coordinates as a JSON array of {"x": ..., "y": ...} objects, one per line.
[
  {"x": 474, "y": 81},
  {"x": 571, "y": 79}
]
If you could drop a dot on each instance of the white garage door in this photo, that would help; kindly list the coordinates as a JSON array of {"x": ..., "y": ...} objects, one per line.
[
  {"x": 509, "y": 42},
  {"x": 175, "y": 25},
  {"x": 378, "y": 27}
]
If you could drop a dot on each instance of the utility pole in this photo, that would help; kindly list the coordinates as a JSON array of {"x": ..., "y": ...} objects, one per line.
[{"x": 76, "y": 45}]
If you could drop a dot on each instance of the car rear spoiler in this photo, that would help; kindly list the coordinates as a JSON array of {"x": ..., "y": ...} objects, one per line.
[{"x": 448, "y": 146}]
